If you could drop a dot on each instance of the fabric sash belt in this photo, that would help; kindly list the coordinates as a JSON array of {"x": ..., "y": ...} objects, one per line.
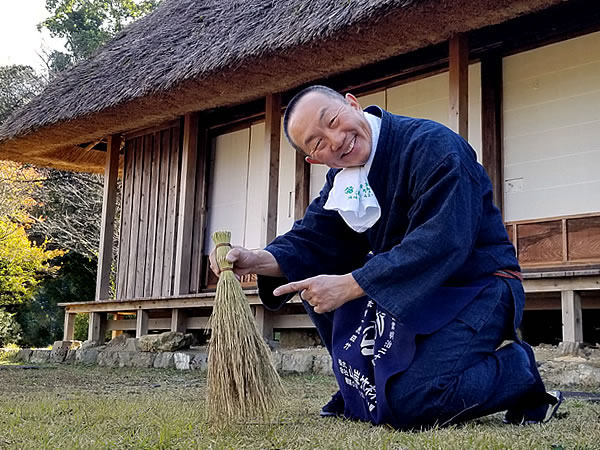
[{"x": 509, "y": 274}]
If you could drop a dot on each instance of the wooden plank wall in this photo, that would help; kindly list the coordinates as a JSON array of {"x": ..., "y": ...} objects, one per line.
[
  {"x": 555, "y": 242},
  {"x": 149, "y": 219}
]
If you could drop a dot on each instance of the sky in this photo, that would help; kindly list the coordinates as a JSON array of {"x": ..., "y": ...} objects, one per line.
[{"x": 20, "y": 41}]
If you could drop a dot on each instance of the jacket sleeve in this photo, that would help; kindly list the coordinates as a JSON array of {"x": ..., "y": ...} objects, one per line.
[
  {"x": 320, "y": 243},
  {"x": 444, "y": 219}
]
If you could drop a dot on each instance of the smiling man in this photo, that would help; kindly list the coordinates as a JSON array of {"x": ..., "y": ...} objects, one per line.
[{"x": 405, "y": 267}]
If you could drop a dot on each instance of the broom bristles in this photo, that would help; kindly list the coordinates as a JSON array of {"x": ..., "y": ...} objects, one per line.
[{"x": 242, "y": 381}]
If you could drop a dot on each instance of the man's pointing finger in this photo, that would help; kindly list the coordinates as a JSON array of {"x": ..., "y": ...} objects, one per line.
[{"x": 289, "y": 288}]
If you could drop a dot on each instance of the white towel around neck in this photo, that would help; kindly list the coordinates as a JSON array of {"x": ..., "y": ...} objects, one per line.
[{"x": 351, "y": 195}]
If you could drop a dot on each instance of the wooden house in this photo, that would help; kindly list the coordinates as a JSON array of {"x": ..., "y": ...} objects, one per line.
[{"x": 186, "y": 105}]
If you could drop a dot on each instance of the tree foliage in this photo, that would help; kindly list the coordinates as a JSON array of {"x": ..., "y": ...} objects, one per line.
[
  {"x": 43, "y": 211},
  {"x": 42, "y": 318},
  {"x": 10, "y": 329},
  {"x": 88, "y": 24},
  {"x": 68, "y": 211},
  {"x": 22, "y": 262},
  {"x": 18, "y": 85}
]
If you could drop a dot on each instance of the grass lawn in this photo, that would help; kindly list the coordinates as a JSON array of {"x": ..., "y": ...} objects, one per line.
[{"x": 76, "y": 407}]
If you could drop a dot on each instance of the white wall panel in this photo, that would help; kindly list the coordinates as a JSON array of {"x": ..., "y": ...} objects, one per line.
[
  {"x": 428, "y": 98},
  {"x": 227, "y": 195},
  {"x": 287, "y": 186},
  {"x": 552, "y": 130},
  {"x": 256, "y": 193},
  {"x": 377, "y": 98}
]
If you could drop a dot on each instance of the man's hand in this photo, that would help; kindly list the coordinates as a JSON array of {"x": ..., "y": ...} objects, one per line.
[
  {"x": 324, "y": 292},
  {"x": 247, "y": 261}
]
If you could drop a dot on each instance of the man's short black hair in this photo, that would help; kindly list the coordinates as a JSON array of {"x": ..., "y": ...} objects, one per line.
[{"x": 294, "y": 102}]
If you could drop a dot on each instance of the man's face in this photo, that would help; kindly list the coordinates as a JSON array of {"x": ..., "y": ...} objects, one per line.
[{"x": 331, "y": 131}]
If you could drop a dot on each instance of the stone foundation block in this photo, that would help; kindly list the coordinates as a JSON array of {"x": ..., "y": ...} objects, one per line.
[
  {"x": 70, "y": 357},
  {"x": 87, "y": 355},
  {"x": 164, "y": 360},
  {"x": 59, "y": 351},
  {"x": 199, "y": 362},
  {"x": 40, "y": 356},
  {"x": 182, "y": 360},
  {"x": 297, "y": 362},
  {"x": 142, "y": 359},
  {"x": 569, "y": 348},
  {"x": 277, "y": 358},
  {"x": 108, "y": 359},
  {"x": 24, "y": 354}
]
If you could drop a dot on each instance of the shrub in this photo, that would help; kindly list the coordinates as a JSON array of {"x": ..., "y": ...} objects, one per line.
[
  {"x": 80, "y": 332},
  {"x": 10, "y": 330}
]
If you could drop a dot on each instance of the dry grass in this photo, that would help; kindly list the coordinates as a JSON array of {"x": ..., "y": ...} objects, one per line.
[
  {"x": 242, "y": 381},
  {"x": 75, "y": 407}
]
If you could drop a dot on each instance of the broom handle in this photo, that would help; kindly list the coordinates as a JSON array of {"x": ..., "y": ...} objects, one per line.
[{"x": 221, "y": 256}]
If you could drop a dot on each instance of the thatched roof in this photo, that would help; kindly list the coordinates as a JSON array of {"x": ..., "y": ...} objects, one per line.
[{"x": 192, "y": 55}]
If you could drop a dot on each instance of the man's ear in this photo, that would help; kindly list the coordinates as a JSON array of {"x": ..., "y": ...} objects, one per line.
[
  {"x": 310, "y": 160},
  {"x": 353, "y": 101}
]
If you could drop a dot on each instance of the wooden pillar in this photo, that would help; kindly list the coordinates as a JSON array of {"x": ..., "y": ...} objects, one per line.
[
  {"x": 302, "y": 187},
  {"x": 264, "y": 321},
  {"x": 492, "y": 138},
  {"x": 272, "y": 147},
  {"x": 178, "y": 320},
  {"x": 571, "y": 316},
  {"x": 198, "y": 263},
  {"x": 186, "y": 205},
  {"x": 69, "y": 328},
  {"x": 109, "y": 201},
  {"x": 97, "y": 326},
  {"x": 459, "y": 85},
  {"x": 141, "y": 325}
]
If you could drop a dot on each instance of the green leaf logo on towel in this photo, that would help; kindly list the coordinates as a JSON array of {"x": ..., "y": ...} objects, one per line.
[{"x": 364, "y": 191}]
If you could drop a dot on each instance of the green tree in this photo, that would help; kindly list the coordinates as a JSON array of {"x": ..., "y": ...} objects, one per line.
[
  {"x": 22, "y": 262},
  {"x": 42, "y": 318},
  {"x": 88, "y": 24},
  {"x": 10, "y": 330},
  {"x": 52, "y": 209},
  {"x": 18, "y": 85}
]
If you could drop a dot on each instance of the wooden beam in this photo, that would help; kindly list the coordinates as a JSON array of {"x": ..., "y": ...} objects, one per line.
[
  {"x": 272, "y": 148},
  {"x": 292, "y": 321},
  {"x": 542, "y": 304},
  {"x": 571, "y": 316},
  {"x": 302, "y": 186},
  {"x": 264, "y": 321},
  {"x": 131, "y": 306},
  {"x": 141, "y": 326},
  {"x": 161, "y": 323},
  {"x": 459, "y": 85},
  {"x": 197, "y": 323},
  {"x": 109, "y": 201},
  {"x": 69, "y": 327},
  {"x": 562, "y": 284},
  {"x": 121, "y": 325},
  {"x": 492, "y": 139},
  {"x": 186, "y": 204},
  {"x": 97, "y": 327},
  {"x": 178, "y": 320}
]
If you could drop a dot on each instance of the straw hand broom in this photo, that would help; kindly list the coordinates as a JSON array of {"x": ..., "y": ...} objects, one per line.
[{"x": 242, "y": 381}]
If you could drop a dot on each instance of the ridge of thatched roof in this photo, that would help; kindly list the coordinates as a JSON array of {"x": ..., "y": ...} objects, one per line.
[
  {"x": 194, "y": 55},
  {"x": 185, "y": 39}
]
